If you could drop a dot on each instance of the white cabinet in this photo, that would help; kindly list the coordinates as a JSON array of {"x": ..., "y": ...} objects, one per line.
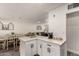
[
  {"x": 31, "y": 48},
  {"x": 40, "y": 47},
  {"x": 53, "y": 49},
  {"x": 22, "y": 48},
  {"x": 56, "y": 50},
  {"x": 46, "y": 49},
  {"x": 28, "y": 48},
  {"x": 50, "y": 49}
]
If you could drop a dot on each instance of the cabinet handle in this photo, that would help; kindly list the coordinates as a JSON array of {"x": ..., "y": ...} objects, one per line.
[
  {"x": 48, "y": 44},
  {"x": 40, "y": 46},
  {"x": 32, "y": 45},
  {"x": 49, "y": 50}
]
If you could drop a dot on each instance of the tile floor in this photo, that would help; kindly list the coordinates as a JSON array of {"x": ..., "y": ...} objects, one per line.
[
  {"x": 15, "y": 52},
  {"x": 10, "y": 52}
]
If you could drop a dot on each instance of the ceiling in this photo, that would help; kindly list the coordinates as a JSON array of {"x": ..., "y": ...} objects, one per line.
[{"x": 31, "y": 12}]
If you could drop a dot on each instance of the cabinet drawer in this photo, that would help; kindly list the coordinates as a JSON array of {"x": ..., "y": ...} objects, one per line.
[{"x": 53, "y": 45}]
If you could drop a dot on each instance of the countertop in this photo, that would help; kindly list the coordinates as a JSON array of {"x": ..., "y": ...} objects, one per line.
[{"x": 58, "y": 41}]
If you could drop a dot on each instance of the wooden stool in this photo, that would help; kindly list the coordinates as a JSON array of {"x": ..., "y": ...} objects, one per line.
[
  {"x": 10, "y": 40},
  {"x": 3, "y": 44}
]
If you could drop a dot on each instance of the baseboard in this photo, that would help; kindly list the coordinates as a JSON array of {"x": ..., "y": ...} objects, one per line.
[{"x": 75, "y": 52}]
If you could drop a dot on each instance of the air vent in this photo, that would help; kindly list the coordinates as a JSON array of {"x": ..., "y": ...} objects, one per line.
[{"x": 74, "y": 5}]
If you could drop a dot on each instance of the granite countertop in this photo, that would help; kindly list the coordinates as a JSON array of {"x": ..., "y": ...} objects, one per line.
[
  {"x": 25, "y": 38},
  {"x": 58, "y": 41}
]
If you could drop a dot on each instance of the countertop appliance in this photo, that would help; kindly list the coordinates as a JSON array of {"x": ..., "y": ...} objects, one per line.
[{"x": 50, "y": 35}]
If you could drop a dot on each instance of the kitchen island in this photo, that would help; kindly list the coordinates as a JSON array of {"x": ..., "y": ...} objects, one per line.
[{"x": 42, "y": 46}]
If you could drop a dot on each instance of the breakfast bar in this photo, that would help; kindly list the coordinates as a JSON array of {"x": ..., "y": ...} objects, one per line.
[{"x": 42, "y": 46}]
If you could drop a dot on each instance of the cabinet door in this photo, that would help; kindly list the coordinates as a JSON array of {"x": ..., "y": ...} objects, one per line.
[
  {"x": 30, "y": 48},
  {"x": 45, "y": 49},
  {"x": 22, "y": 48},
  {"x": 56, "y": 50},
  {"x": 50, "y": 49},
  {"x": 40, "y": 44},
  {"x": 33, "y": 47}
]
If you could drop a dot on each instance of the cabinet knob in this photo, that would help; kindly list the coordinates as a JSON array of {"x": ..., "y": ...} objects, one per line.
[
  {"x": 32, "y": 45},
  {"x": 49, "y": 50},
  {"x": 40, "y": 46}
]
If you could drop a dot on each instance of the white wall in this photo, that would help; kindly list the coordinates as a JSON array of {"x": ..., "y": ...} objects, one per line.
[
  {"x": 19, "y": 27},
  {"x": 23, "y": 16},
  {"x": 73, "y": 32},
  {"x": 16, "y": 14},
  {"x": 57, "y": 25}
]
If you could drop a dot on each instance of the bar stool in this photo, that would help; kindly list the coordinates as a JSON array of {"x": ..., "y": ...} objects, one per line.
[
  {"x": 3, "y": 44},
  {"x": 16, "y": 41},
  {"x": 10, "y": 40}
]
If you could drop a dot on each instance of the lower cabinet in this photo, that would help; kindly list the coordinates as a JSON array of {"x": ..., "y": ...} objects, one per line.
[
  {"x": 51, "y": 49},
  {"x": 31, "y": 48},
  {"x": 28, "y": 48},
  {"x": 40, "y": 47},
  {"x": 22, "y": 48},
  {"x": 47, "y": 50}
]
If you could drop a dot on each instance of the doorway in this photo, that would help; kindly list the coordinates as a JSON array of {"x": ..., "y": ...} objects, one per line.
[{"x": 72, "y": 30}]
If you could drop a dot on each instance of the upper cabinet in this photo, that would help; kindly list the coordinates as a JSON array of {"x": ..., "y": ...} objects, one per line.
[{"x": 49, "y": 49}]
